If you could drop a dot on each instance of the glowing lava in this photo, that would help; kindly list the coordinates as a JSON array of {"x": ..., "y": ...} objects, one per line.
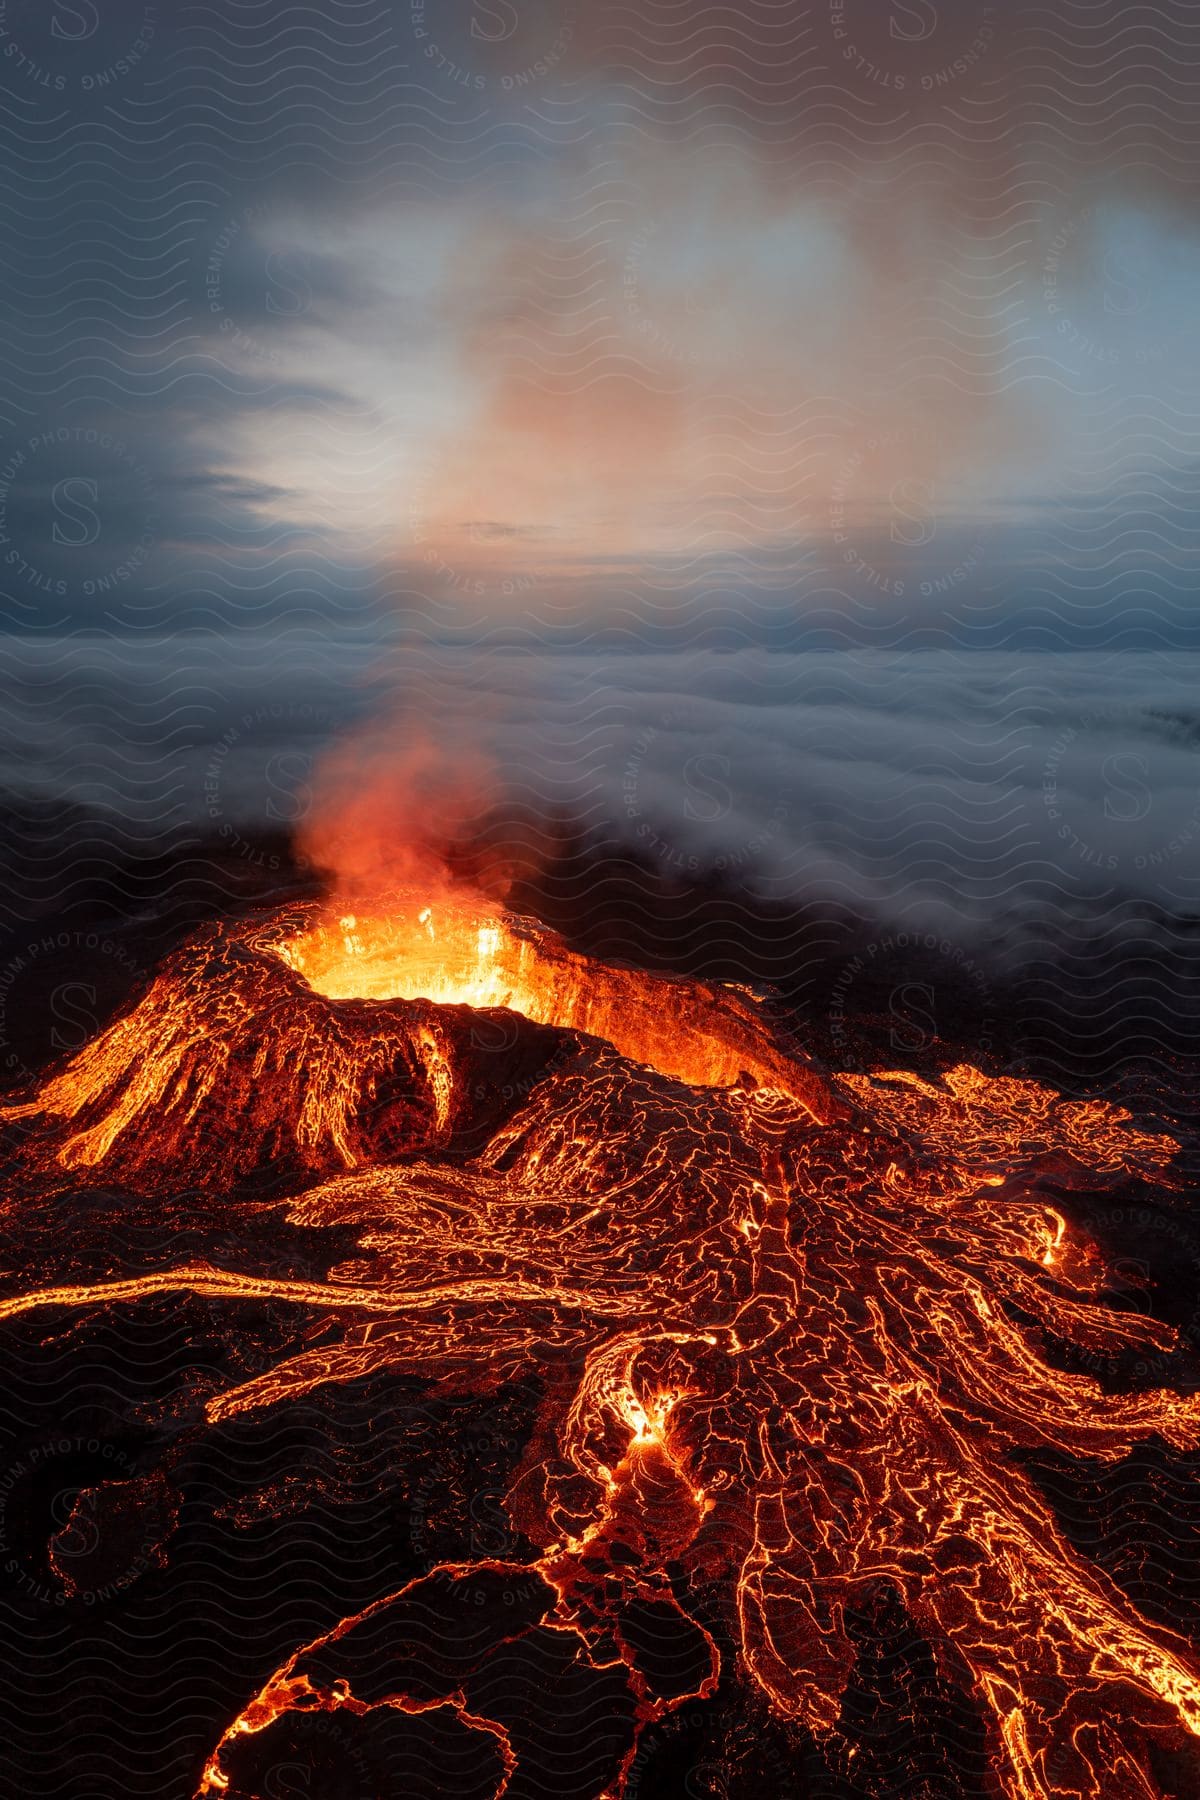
[
  {"x": 459, "y": 955},
  {"x": 793, "y": 1327}
]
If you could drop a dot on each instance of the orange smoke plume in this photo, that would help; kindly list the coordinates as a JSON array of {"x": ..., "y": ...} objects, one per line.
[
  {"x": 392, "y": 808},
  {"x": 396, "y": 809}
]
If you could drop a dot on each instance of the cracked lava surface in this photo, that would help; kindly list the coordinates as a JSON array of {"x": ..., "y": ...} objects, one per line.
[{"x": 792, "y": 1331}]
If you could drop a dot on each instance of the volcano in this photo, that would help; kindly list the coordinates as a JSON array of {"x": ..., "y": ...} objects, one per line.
[{"x": 795, "y": 1334}]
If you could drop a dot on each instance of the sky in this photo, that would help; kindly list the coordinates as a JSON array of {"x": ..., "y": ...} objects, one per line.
[{"x": 662, "y": 349}]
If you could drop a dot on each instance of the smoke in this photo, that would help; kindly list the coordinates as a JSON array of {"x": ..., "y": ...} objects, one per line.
[
  {"x": 422, "y": 795},
  {"x": 390, "y": 805}
]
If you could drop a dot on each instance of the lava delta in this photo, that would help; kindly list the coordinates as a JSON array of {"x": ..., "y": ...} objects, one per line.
[{"x": 793, "y": 1330}]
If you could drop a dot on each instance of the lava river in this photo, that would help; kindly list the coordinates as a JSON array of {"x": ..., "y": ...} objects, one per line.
[{"x": 793, "y": 1331}]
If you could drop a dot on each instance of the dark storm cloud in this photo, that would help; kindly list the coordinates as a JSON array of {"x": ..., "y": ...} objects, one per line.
[
  {"x": 101, "y": 506},
  {"x": 137, "y": 142},
  {"x": 228, "y": 228}
]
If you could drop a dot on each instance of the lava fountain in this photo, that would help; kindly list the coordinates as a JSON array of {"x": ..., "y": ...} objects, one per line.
[{"x": 794, "y": 1329}]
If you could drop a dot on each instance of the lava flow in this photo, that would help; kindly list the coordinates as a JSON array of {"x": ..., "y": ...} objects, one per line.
[{"x": 793, "y": 1330}]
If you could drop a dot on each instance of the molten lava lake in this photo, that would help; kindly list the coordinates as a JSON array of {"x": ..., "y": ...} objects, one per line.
[
  {"x": 707, "y": 1036},
  {"x": 639, "y": 1369}
]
